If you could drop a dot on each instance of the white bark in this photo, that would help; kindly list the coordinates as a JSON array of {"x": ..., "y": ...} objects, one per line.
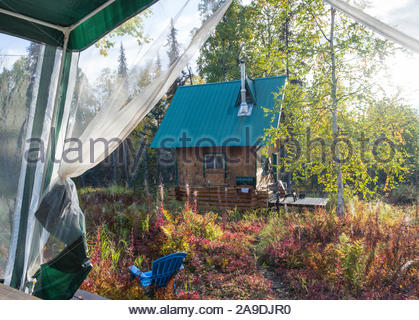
[{"x": 340, "y": 209}]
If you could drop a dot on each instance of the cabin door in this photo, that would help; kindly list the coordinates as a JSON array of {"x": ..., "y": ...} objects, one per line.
[
  {"x": 215, "y": 178},
  {"x": 214, "y": 169}
]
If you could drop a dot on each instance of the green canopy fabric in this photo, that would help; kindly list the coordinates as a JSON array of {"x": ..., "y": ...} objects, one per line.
[
  {"x": 60, "y": 278},
  {"x": 46, "y": 21}
]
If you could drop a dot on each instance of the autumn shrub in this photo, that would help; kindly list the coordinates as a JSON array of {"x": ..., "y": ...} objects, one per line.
[
  {"x": 109, "y": 276},
  {"x": 404, "y": 194},
  {"x": 370, "y": 254},
  {"x": 186, "y": 225},
  {"x": 220, "y": 262}
]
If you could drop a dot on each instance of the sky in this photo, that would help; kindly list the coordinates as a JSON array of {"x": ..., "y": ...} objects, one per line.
[
  {"x": 403, "y": 14},
  {"x": 403, "y": 68}
]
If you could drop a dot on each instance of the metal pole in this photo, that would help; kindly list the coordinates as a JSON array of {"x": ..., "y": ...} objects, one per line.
[
  {"x": 52, "y": 134},
  {"x": 34, "y": 20},
  {"x": 91, "y": 14}
]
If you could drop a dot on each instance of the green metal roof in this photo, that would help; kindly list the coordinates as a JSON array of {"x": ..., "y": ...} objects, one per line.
[
  {"x": 66, "y": 13},
  {"x": 206, "y": 115}
]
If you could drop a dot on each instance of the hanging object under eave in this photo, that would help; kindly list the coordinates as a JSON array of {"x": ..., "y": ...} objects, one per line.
[
  {"x": 391, "y": 23},
  {"x": 47, "y": 21}
]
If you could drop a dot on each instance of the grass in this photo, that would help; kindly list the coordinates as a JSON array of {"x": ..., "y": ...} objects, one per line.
[{"x": 371, "y": 254}]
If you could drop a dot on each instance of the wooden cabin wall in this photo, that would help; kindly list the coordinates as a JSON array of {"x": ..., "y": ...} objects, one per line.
[{"x": 241, "y": 162}]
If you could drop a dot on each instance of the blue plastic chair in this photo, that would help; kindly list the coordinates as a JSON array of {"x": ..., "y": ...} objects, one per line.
[{"x": 163, "y": 270}]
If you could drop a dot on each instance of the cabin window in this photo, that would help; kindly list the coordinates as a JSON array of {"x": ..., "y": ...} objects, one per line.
[{"x": 214, "y": 161}]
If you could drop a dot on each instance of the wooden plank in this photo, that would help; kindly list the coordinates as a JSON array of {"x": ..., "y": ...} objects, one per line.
[
  {"x": 85, "y": 295},
  {"x": 305, "y": 202},
  {"x": 212, "y": 206},
  {"x": 214, "y": 199},
  {"x": 214, "y": 188},
  {"x": 9, "y": 293},
  {"x": 221, "y": 197}
]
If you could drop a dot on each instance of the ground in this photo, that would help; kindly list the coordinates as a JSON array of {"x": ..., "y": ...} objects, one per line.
[{"x": 259, "y": 254}]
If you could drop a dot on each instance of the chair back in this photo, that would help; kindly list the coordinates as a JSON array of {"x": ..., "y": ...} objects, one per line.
[{"x": 165, "y": 267}]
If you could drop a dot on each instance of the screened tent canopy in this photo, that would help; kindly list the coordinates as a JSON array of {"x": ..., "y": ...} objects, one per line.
[
  {"x": 47, "y": 21},
  {"x": 44, "y": 202},
  {"x": 42, "y": 229}
]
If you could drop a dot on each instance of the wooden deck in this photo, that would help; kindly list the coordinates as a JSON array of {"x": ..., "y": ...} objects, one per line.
[
  {"x": 241, "y": 197},
  {"x": 305, "y": 202},
  {"x": 8, "y": 293},
  {"x": 86, "y": 295}
]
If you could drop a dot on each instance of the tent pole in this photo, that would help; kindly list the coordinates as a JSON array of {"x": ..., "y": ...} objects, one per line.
[
  {"x": 91, "y": 14},
  {"x": 54, "y": 110},
  {"x": 23, "y": 17}
]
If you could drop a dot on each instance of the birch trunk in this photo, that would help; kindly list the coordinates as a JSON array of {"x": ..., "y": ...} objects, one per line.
[{"x": 340, "y": 209}]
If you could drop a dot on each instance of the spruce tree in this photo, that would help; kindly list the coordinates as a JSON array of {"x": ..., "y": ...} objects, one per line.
[
  {"x": 122, "y": 67},
  {"x": 34, "y": 51},
  {"x": 173, "y": 52}
]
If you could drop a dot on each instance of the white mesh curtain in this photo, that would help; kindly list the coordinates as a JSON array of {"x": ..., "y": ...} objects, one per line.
[
  {"x": 54, "y": 257},
  {"x": 124, "y": 109},
  {"x": 399, "y": 23}
]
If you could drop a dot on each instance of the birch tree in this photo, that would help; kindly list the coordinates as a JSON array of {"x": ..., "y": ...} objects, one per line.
[{"x": 340, "y": 209}]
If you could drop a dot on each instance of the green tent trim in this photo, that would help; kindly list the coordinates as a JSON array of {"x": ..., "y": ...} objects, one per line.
[
  {"x": 47, "y": 21},
  {"x": 59, "y": 278},
  {"x": 41, "y": 105}
]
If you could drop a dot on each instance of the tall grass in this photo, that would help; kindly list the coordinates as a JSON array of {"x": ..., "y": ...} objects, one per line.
[{"x": 371, "y": 254}]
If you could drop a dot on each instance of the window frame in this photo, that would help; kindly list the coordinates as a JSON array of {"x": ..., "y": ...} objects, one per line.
[{"x": 214, "y": 161}]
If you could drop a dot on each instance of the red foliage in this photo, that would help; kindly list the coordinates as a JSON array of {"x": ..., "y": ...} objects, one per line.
[{"x": 315, "y": 255}]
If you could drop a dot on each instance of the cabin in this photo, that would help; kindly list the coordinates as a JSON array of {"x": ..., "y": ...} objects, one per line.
[{"x": 217, "y": 133}]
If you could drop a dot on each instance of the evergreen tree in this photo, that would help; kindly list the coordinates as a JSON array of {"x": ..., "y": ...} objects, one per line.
[
  {"x": 173, "y": 52},
  {"x": 149, "y": 171},
  {"x": 158, "y": 67},
  {"x": 122, "y": 60},
  {"x": 34, "y": 51}
]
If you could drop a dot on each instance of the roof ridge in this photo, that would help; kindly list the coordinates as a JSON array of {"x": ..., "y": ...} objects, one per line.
[
  {"x": 231, "y": 81},
  {"x": 272, "y": 77},
  {"x": 208, "y": 84}
]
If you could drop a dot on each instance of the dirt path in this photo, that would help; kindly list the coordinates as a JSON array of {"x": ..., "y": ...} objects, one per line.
[{"x": 280, "y": 290}]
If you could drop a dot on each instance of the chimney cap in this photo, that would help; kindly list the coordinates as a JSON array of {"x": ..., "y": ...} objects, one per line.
[{"x": 242, "y": 61}]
